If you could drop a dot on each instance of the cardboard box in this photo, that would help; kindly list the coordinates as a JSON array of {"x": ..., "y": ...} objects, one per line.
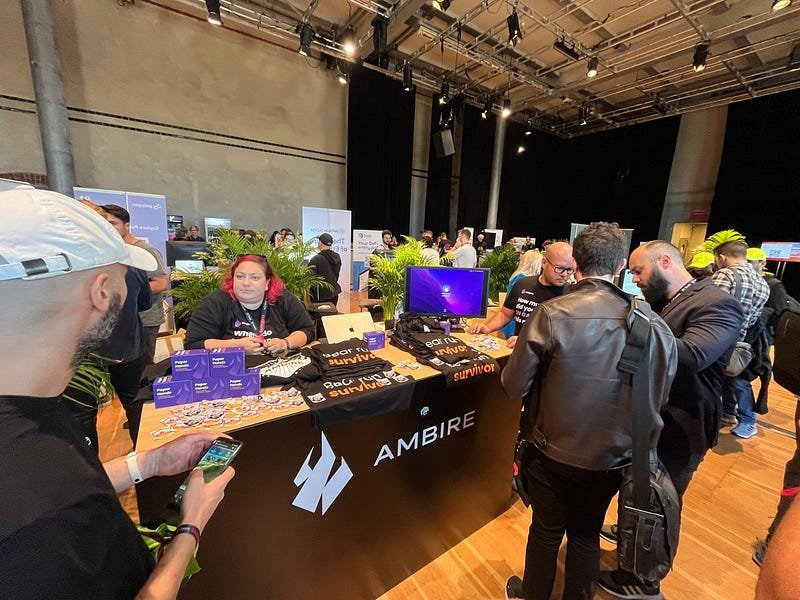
[
  {"x": 190, "y": 364},
  {"x": 210, "y": 388},
  {"x": 225, "y": 362},
  {"x": 375, "y": 339},
  {"x": 170, "y": 392},
  {"x": 248, "y": 384}
]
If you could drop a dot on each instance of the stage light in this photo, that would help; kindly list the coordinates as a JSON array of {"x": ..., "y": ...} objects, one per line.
[
  {"x": 699, "y": 58},
  {"x": 567, "y": 50},
  {"x": 349, "y": 42},
  {"x": 408, "y": 78},
  {"x": 488, "y": 104},
  {"x": 529, "y": 128},
  {"x": 514, "y": 32},
  {"x": 583, "y": 114},
  {"x": 306, "y": 37},
  {"x": 444, "y": 95},
  {"x": 441, "y": 5},
  {"x": 520, "y": 149},
  {"x": 591, "y": 69},
  {"x": 780, "y": 4},
  {"x": 214, "y": 16},
  {"x": 343, "y": 78},
  {"x": 506, "y": 108},
  {"x": 659, "y": 106}
]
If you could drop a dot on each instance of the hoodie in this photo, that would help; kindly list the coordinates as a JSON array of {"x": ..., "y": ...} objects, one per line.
[{"x": 327, "y": 264}]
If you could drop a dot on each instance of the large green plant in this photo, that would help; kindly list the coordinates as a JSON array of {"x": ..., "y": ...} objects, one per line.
[
  {"x": 387, "y": 274},
  {"x": 501, "y": 262},
  {"x": 92, "y": 379},
  {"x": 287, "y": 261}
]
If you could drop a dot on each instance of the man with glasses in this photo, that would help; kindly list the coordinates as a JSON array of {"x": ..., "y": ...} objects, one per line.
[{"x": 557, "y": 268}]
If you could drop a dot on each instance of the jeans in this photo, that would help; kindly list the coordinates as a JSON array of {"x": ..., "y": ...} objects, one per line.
[
  {"x": 737, "y": 391},
  {"x": 567, "y": 500}
]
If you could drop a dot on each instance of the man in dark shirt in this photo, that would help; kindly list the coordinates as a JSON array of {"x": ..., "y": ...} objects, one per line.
[
  {"x": 63, "y": 533},
  {"x": 327, "y": 265},
  {"x": 557, "y": 267},
  {"x": 194, "y": 234}
]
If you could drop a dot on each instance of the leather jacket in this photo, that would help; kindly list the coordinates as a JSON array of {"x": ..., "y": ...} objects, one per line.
[{"x": 564, "y": 371}]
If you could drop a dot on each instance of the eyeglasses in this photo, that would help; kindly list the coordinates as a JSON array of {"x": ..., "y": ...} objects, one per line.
[{"x": 561, "y": 270}]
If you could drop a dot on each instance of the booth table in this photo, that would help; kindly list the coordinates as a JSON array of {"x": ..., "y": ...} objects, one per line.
[{"x": 421, "y": 480}]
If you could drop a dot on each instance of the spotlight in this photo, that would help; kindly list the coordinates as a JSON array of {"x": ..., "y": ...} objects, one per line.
[
  {"x": 214, "y": 16},
  {"x": 441, "y": 5},
  {"x": 306, "y": 37},
  {"x": 699, "y": 58},
  {"x": 444, "y": 95},
  {"x": 780, "y": 4},
  {"x": 660, "y": 107},
  {"x": 591, "y": 69},
  {"x": 343, "y": 78},
  {"x": 583, "y": 114},
  {"x": 408, "y": 78},
  {"x": 488, "y": 104},
  {"x": 506, "y": 108},
  {"x": 514, "y": 32},
  {"x": 520, "y": 149},
  {"x": 349, "y": 43},
  {"x": 529, "y": 128},
  {"x": 566, "y": 49}
]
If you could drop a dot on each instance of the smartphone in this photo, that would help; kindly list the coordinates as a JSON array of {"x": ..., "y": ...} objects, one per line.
[{"x": 216, "y": 459}]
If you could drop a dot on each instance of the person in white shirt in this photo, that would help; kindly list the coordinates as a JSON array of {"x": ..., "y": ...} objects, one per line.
[{"x": 463, "y": 252}]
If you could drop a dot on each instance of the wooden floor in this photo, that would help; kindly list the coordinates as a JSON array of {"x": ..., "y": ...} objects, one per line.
[{"x": 730, "y": 502}]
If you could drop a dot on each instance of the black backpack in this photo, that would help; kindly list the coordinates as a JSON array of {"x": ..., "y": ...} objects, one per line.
[{"x": 786, "y": 367}]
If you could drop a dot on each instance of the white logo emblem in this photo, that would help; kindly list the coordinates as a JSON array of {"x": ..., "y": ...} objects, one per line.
[{"x": 317, "y": 483}]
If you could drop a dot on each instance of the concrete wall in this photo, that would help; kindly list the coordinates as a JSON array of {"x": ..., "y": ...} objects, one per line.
[{"x": 225, "y": 125}]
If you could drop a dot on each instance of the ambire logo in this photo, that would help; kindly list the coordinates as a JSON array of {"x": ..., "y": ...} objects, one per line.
[{"x": 317, "y": 483}]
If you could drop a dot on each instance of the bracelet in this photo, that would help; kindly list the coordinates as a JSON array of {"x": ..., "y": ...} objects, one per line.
[
  {"x": 192, "y": 530},
  {"x": 133, "y": 468},
  {"x": 288, "y": 345}
]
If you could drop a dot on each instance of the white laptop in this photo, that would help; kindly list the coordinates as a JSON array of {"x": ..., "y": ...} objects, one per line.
[{"x": 339, "y": 328}]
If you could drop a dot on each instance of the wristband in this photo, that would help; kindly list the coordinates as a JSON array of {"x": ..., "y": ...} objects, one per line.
[
  {"x": 288, "y": 345},
  {"x": 133, "y": 468},
  {"x": 192, "y": 530}
]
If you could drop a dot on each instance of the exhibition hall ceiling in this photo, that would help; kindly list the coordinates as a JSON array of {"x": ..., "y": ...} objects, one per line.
[{"x": 653, "y": 58}]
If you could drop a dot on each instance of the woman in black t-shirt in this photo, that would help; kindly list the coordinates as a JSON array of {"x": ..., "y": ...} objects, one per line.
[{"x": 252, "y": 311}]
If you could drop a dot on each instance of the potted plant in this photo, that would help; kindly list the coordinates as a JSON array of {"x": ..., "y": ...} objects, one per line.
[{"x": 502, "y": 261}]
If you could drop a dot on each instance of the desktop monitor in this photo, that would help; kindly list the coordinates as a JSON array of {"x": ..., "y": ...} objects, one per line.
[
  {"x": 447, "y": 291},
  {"x": 179, "y": 250}
]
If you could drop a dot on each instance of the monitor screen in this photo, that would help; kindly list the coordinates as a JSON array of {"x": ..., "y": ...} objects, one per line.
[
  {"x": 183, "y": 250},
  {"x": 189, "y": 266},
  {"x": 447, "y": 291},
  {"x": 626, "y": 283}
]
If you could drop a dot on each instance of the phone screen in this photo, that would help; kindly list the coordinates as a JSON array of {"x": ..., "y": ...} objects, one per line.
[{"x": 215, "y": 460}]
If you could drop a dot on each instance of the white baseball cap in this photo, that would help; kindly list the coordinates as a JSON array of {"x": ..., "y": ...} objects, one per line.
[{"x": 45, "y": 234}]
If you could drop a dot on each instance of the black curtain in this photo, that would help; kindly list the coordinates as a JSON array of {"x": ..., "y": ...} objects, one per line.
[
  {"x": 440, "y": 180},
  {"x": 380, "y": 137},
  {"x": 618, "y": 175},
  {"x": 758, "y": 187},
  {"x": 477, "y": 146}
]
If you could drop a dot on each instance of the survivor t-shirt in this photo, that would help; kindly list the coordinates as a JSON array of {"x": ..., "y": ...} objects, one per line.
[
  {"x": 63, "y": 532},
  {"x": 220, "y": 317},
  {"x": 527, "y": 293}
]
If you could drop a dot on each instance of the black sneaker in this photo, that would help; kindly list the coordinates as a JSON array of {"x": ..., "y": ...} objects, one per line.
[
  {"x": 514, "y": 588},
  {"x": 759, "y": 551},
  {"x": 622, "y": 584},
  {"x": 609, "y": 532}
]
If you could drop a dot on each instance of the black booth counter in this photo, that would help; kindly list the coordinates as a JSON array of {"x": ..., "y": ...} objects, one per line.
[{"x": 350, "y": 510}]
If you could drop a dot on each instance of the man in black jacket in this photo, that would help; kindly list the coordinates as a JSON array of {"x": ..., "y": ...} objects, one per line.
[
  {"x": 327, "y": 264},
  {"x": 706, "y": 322},
  {"x": 576, "y": 422}
]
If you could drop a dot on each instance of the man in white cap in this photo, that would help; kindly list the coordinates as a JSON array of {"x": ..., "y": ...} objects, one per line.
[{"x": 63, "y": 532}]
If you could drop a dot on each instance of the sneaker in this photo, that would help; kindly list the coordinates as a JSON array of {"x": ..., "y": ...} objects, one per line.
[
  {"x": 609, "y": 532},
  {"x": 759, "y": 551},
  {"x": 744, "y": 431},
  {"x": 514, "y": 588},
  {"x": 728, "y": 420},
  {"x": 622, "y": 584}
]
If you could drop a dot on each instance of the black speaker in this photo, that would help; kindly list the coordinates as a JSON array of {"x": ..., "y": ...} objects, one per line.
[{"x": 443, "y": 143}]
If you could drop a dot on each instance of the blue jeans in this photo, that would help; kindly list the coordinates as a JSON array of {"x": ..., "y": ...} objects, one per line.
[{"x": 738, "y": 391}]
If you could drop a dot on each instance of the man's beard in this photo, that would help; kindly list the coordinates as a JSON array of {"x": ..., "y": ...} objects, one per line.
[
  {"x": 99, "y": 333},
  {"x": 656, "y": 290}
]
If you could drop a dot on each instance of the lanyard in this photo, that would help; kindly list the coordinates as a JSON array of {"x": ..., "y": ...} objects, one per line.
[
  {"x": 262, "y": 325},
  {"x": 680, "y": 291}
]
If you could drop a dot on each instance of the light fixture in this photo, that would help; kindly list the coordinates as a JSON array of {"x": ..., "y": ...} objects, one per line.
[
  {"x": 660, "y": 106},
  {"x": 514, "y": 32},
  {"x": 343, "y": 78},
  {"x": 444, "y": 95},
  {"x": 591, "y": 68},
  {"x": 520, "y": 149},
  {"x": 567, "y": 50},
  {"x": 780, "y": 4},
  {"x": 441, "y": 5},
  {"x": 349, "y": 43},
  {"x": 408, "y": 78},
  {"x": 506, "y": 108},
  {"x": 583, "y": 114},
  {"x": 214, "y": 16},
  {"x": 488, "y": 104},
  {"x": 529, "y": 128},
  {"x": 699, "y": 58},
  {"x": 306, "y": 37}
]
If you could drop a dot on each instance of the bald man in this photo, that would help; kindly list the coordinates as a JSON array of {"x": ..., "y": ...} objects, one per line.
[
  {"x": 557, "y": 268},
  {"x": 705, "y": 321}
]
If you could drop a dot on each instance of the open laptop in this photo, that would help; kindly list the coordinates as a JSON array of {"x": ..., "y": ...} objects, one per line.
[{"x": 339, "y": 328}]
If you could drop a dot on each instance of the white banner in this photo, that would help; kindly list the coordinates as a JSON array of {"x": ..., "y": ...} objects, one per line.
[
  {"x": 364, "y": 242},
  {"x": 336, "y": 222}
]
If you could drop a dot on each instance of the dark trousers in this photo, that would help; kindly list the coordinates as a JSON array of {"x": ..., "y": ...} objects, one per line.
[
  {"x": 681, "y": 467},
  {"x": 149, "y": 335},
  {"x": 567, "y": 500}
]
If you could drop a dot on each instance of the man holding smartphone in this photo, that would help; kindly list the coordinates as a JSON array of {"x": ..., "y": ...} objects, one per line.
[{"x": 63, "y": 532}]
